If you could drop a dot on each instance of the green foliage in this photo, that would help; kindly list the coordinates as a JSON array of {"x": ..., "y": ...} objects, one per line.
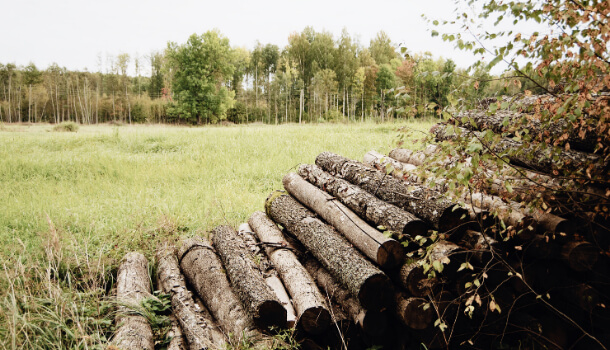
[
  {"x": 203, "y": 65},
  {"x": 66, "y": 127}
]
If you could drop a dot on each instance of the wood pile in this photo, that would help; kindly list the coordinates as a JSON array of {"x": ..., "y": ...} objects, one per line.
[{"x": 357, "y": 254}]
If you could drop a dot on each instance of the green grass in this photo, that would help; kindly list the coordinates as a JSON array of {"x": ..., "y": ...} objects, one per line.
[{"x": 73, "y": 203}]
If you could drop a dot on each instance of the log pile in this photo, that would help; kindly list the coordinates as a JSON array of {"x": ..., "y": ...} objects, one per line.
[{"x": 353, "y": 255}]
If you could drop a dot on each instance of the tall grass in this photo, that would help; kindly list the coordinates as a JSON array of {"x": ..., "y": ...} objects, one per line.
[{"x": 73, "y": 203}]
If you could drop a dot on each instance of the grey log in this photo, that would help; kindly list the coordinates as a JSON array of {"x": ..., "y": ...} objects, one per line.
[
  {"x": 312, "y": 314},
  {"x": 247, "y": 281},
  {"x": 198, "y": 326},
  {"x": 133, "y": 286},
  {"x": 386, "y": 252},
  {"x": 366, "y": 205},
  {"x": 365, "y": 281},
  {"x": 427, "y": 204},
  {"x": 204, "y": 271}
]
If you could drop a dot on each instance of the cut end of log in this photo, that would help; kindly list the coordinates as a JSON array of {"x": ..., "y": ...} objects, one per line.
[
  {"x": 390, "y": 254},
  {"x": 412, "y": 314},
  {"x": 376, "y": 292},
  {"x": 580, "y": 256},
  {"x": 373, "y": 323},
  {"x": 527, "y": 227},
  {"x": 416, "y": 228},
  {"x": 272, "y": 197},
  {"x": 452, "y": 217},
  {"x": 315, "y": 320},
  {"x": 271, "y": 314}
]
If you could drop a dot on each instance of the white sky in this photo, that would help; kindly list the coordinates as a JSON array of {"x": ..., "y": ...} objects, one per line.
[{"x": 74, "y": 32}]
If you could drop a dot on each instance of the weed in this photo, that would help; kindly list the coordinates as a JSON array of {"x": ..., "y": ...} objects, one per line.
[{"x": 66, "y": 127}]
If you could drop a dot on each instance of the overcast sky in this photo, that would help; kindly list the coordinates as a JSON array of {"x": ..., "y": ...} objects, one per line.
[{"x": 74, "y": 33}]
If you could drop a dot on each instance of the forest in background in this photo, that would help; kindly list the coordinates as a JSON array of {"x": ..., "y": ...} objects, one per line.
[{"x": 315, "y": 78}]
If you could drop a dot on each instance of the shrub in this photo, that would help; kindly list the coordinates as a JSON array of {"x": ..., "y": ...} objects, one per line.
[{"x": 66, "y": 126}]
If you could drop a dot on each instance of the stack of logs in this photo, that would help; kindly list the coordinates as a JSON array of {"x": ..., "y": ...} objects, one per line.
[{"x": 353, "y": 255}]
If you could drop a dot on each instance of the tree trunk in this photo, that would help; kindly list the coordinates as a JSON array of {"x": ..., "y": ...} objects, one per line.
[
  {"x": 543, "y": 158},
  {"x": 371, "y": 322},
  {"x": 268, "y": 271},
  {"x": 411, "y": 313},
  {"x": 198, "y": 327},
  {"x": 371, "y": 286},
  {"x": 313, "y": 315},
  {"x": 204, "y": 271},
  {"x": 133, "y": 285},
  {"x": 260, "y": 301},
  {"x": 177, "y": 341},
  {"x": 364, "y": 204},
  {"x": 419, "y": 200},
  {"x": 386, "y": 252}
]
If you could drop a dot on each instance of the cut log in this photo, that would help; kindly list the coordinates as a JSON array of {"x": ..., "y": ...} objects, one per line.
[
  {"x": 410, "y": 311},
  {"x": 580, "y": 256},
  {"x": 541, "y": 158},
  {"x": 247, "y": 281},
  {"x": 133, "y": 286},
  {"x": 364, "y": 204},
  {"x": 411, "y": 276},
  {"x": 269, "y": 273},
  {"x": 371, "y": 322},
  {"x": 386, "y": 252},
  {"x": 313, "y": 315},
  {"x": 408, "y": 156},
  {"x": 417, "y": 199},
  {"x": 365, "y": 281},
  {"x": 204, "y": 271},
  {"x": 197, "y": 324},
  {"x": 507, "y": 122},
  {"x": 175, "y": 335}
]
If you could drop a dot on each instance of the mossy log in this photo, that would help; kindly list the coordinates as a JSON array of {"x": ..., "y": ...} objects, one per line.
[
  {"x": 268, "y": 271},
  {"x": 427, "y": 204},
  {"x": 198, "y": 326},
  {"x": 365, "y": 281},
  {"x": 133, "y": 286},
  {"x": 366, "y": 205},
  {"x": 247, "y": 281},
  {"x": 386, "y": 252},
  {"x": 372, "y": 322},
  {"x": 204, "y": 271},
  {"x": 312, "y": 314}
]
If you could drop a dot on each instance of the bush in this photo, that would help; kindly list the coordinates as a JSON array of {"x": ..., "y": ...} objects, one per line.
[{"x": 66, "y": 127}]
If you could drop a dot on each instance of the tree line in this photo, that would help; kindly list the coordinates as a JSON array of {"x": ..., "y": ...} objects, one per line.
[{"x": 315, "y": 78}]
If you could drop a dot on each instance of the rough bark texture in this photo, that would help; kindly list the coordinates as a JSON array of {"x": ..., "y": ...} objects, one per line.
[
  {"x": 198, "y": 326},
  {"x": 133, "y": 285},
  {"x": 371, "y": 286},
  {"x": 269, "y": 273},
  {"x": 411, "y": 313},
  {"x": 518, "y": 121},
  {"x": 386, "y": 252},
  {"x": 417, "y": 199},
  {"x": 247, "y": 281},
  {"x": 312, "y": 314},
  {"x": 537, "y": 158},
  {"x": 177, "y": 341},
  {"x": 369, "y": 207},
  {"x": 524, "y": 226},
  {"x": 408, "y": 156},
  {"x": 204, "y": 271},
  {"x": 371, "y": 322}
]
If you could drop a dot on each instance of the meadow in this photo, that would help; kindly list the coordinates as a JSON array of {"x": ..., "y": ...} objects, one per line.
[{"x": 72, "y": 203}]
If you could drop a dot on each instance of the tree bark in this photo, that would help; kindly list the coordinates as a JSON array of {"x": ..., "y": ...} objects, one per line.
[
  {"x": 371, "y": 322},
  {"x": 371, "y": 286},
  {"x": 423, "y": 202},
  {"x": 204, "y": 271},
  {"x": 544, "y": 158},
  {"x": 197, "y": 324},
  {"x": 133, "y": 285},
  {"x": 260, "y": 301},
  {"x": 366, "y": 205},
  {"x": 386, "y": 252},
  {"x": 313, "y": 315}
]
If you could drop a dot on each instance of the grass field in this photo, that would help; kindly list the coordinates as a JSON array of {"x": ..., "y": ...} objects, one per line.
[{"x": 73, "y": 203}]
